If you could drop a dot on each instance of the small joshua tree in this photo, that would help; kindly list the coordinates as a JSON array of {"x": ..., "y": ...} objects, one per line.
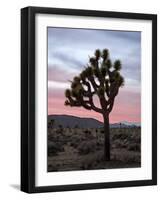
[{"x": 102, "y": 78}]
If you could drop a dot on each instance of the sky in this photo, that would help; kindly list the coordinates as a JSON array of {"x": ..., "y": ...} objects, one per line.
[{"x": 68, "y": 52}]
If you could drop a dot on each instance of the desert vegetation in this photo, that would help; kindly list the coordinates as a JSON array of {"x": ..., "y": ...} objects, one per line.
[{"x": 83, "y": 149}]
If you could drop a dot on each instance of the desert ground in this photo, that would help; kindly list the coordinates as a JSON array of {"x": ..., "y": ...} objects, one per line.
[{"x": 83, "y": 149}]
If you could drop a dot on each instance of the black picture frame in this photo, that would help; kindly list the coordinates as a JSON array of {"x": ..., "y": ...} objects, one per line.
[{"x": 28, "y": 98}]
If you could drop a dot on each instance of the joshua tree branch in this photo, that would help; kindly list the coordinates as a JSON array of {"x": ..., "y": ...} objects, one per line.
[
  {"x": 79, "y": 102},
  {"x": 85, "y": 105},
  {"x": 112, "y": 95},
  {"x": 73, "y": 102},
  {"x": 90, "y": 94},
  {"x": 99, "y": 110},
  {"x": 107, "y": 91},
  {"x": 94, "y": 84},
  {"x": 110, "y": 106}
]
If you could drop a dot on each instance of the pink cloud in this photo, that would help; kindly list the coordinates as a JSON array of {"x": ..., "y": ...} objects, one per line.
[{"x": 127, "y": 107}]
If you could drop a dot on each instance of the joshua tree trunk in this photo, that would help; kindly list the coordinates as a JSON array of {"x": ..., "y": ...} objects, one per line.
[{"x": 106, "y": 137}]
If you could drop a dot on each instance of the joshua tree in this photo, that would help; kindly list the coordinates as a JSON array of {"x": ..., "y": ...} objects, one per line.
[{"x": 99, "y": 78}]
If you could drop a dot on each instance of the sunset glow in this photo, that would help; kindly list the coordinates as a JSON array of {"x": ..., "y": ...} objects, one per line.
[{"x": 68, "y": 51}]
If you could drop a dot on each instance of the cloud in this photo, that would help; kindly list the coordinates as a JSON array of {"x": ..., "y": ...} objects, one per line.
[
  {"x": 67, "y": 36},
  {"x": 67, "y": 59},
  {"x": 57, "y": 85},
  {"x": 60, "y": 74},
  {"x": 70, "y": 48}
]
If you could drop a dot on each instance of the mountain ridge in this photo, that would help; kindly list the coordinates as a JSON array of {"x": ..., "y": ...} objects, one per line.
[{"x": 85, "y": 122}]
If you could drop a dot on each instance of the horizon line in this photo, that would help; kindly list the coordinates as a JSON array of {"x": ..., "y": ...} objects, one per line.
[{"x": 95, "y": 118}]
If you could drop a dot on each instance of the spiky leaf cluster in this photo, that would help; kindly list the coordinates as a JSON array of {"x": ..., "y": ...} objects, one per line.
[
  {"x": 117, "y": 65},
  {"x": 97, "y": 54},
  {"x": 99, "y": 77}
]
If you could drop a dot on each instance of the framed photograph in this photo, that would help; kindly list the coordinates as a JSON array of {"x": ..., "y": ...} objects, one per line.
[{"x": 88, "y": 99}]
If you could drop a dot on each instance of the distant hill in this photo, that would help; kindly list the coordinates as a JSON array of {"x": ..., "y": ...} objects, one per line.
[
  {"x": 73, "y": 121},
  {"x": 125, "y": 124}
]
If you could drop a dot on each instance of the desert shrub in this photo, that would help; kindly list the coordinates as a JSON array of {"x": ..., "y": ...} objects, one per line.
[
  {"x": 138, "y": 139},
  {"x": 86, "y": 131},
  {"x": 52, "y": 168},
  {"x": 99, "y": 157},
  {"x": 76, "y": 126},
  {"x": 119, "y": 144},
  {"x": 92, "y": 161},
  {"x": 54, "y": 148},
  {"x": 60, "y": 129},
  {"x": 135, "y": 139},
  {"x": 99, "y": 143},
  {"x": 102, "y": 131},
  {"x": 126, "y": 156},
  {"x": 58, "y": 139},
  {"x": 132, "y": 158},
  {"x": 87, "y": 164},
  {"x": 75, "y": 141},
  {"x": 120, "y": 136},
  {"x": 50, "y": 136},
  {"x": 88, "y": 134},
  {"x": 134, "y": 147},
  {"x": 86, "y": 147},
  {"x": 129, "y": 139}
]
